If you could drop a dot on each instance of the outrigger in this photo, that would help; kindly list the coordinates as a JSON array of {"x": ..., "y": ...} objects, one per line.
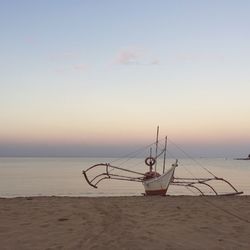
[{"x": 154, "y": 183}]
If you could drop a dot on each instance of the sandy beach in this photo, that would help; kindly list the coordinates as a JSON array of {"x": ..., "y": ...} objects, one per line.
[{"x": 170, "y": 222}]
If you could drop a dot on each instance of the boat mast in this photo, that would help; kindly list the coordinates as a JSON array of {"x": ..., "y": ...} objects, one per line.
[
  {"x": 150, "y": 167},
  {"x": 156, "y": 146},
  {"x": 165, "y": 153}
]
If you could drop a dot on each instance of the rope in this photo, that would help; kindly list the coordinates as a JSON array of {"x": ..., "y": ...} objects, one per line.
[
  {"x": 132, "y": 155},
  {"x": 186, "y": 154},
  {"x": 189, "y": 189},
  {"x": 182, "y": 165},
  {"x": 203, "y": 197}
]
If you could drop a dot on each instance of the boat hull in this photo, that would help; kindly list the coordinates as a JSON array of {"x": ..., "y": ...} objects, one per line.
[{"x": 159, "y": 185}]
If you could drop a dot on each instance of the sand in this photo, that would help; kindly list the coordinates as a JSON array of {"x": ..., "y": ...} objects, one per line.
[{"x": 170, "y": 222}]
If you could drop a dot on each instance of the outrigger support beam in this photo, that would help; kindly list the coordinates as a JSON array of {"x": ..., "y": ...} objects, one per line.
[
  {"x": 107, "y": 175},
  {"x": 192, "y": 182},
  {"x": 191, "y": 185},
  {"x": 204, "y": 183},
  {"x": 86, "y": 177},
  {"x": 221, "y": 179}
]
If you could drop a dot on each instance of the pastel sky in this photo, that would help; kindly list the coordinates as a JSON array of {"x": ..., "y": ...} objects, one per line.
[{"x": 87, "y": 77}]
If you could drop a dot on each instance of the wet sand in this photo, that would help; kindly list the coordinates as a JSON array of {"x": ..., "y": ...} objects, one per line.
[{"x": 170, "y": 222}]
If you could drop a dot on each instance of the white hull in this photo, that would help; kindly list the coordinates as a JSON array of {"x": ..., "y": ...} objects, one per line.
[{"x": 159, "y": 185}]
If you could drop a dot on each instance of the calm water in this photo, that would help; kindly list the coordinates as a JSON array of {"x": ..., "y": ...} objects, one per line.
[{"x": 63, "y": 176}]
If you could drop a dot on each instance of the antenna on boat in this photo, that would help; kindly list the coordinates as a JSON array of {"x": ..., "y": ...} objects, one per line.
[
  {"x": 165, "y": 153},
  {"x": 156, "y": 146}
]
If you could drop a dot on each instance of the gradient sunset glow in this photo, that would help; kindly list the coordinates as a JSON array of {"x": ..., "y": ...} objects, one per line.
[{"x": 81, "y": 76}]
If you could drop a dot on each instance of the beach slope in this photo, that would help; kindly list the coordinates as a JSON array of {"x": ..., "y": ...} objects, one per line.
[{"x": 171, "y": 222}]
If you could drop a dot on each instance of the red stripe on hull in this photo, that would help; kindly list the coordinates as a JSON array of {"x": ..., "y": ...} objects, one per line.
[{"x": 156, "y": 192}]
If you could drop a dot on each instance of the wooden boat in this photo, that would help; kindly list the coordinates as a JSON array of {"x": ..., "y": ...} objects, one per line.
[
  {"x": 158, "y": 185},
  {"x": 154, "y": 183}
]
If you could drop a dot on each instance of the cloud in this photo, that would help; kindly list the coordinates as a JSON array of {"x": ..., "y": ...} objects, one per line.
[
  {"x": 80, "y": 67},
  {"x": 67, "y": 62},
  {"x": 128, "y": 56},
  {"x": 155, "y": 61},
  {"x": 60, "y": 71},
  {"x": 134, "y": 56},
  {"x": 73, "y": 68}
]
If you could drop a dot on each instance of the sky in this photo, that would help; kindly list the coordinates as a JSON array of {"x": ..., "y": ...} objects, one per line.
[{"x": 92, "y": 77}]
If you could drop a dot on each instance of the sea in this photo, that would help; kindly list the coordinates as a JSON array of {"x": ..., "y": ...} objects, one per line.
[{"x": 21, "y": 177}]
